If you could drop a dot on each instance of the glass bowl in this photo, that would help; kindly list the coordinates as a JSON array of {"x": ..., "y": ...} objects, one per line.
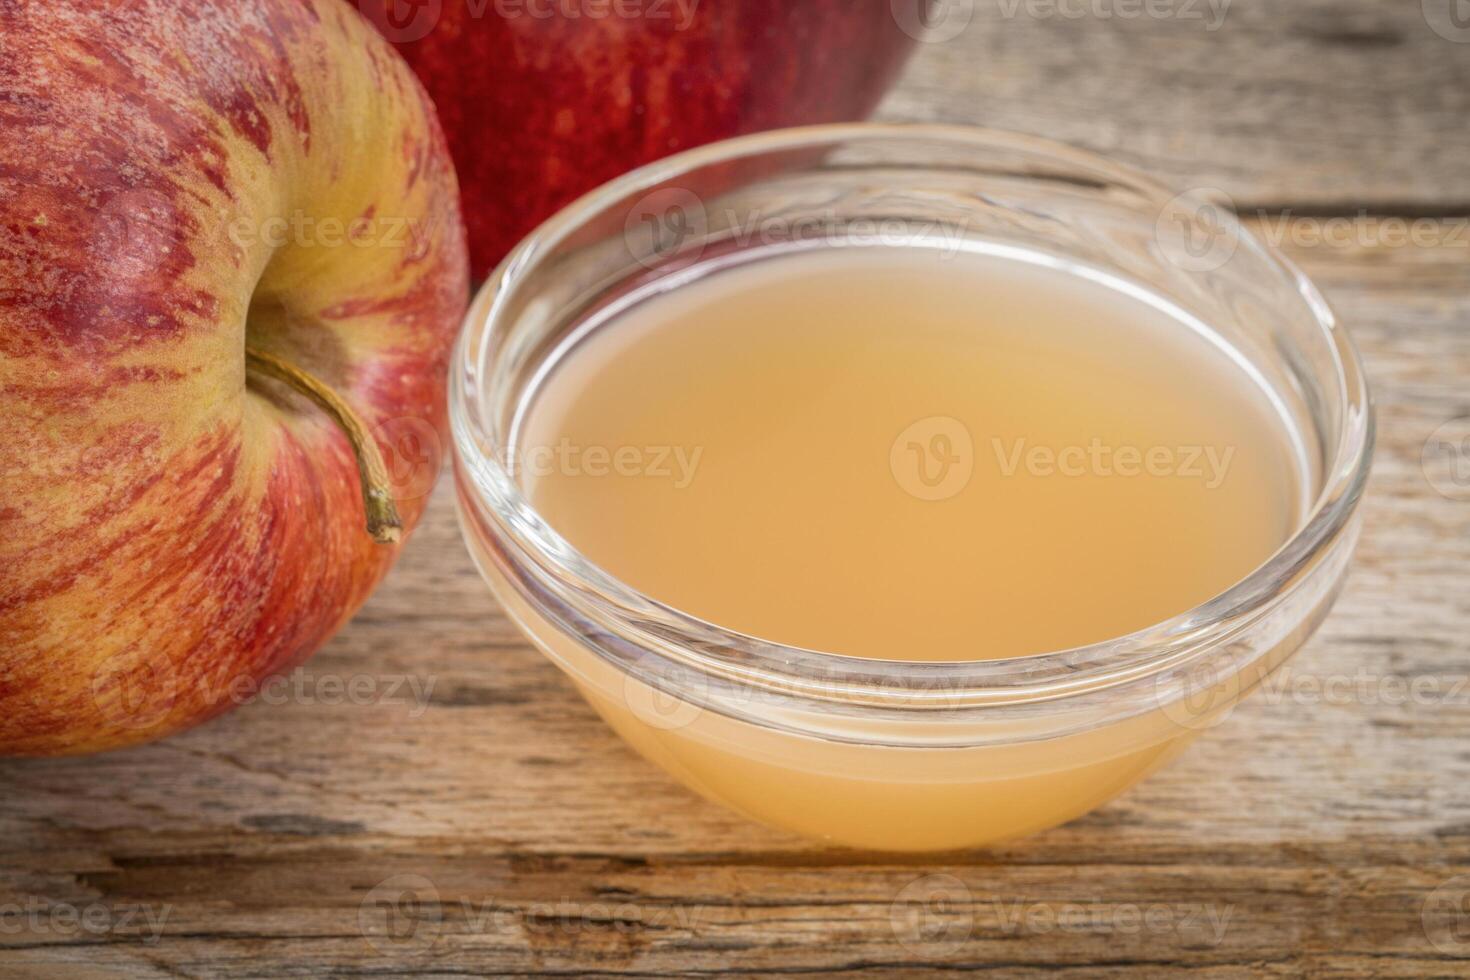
[{"x": 893, "y": 754}]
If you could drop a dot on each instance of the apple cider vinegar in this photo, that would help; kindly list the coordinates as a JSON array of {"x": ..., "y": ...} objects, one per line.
[
  {"x": 915, "y": 540},
  {"x": 915, "y": 455},
  {"x": 910, "y": 453}
]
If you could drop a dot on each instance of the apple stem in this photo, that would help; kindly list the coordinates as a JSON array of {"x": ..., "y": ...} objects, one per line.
[{"x": 383, "y": 523}]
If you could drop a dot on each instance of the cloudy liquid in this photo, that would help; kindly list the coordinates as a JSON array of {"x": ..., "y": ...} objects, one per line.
[{"x": 910, "y": 454}]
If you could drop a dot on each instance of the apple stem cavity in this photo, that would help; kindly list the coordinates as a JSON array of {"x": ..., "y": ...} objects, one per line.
[{"x": 383, "y": 523}]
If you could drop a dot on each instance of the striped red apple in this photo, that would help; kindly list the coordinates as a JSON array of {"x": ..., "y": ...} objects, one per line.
[{"x": 232, "y": 266}]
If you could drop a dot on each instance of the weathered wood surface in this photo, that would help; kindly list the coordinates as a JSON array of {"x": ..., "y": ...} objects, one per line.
[
  {"x": 1308, "y": 834},
  {"x": 1313, "y": 104}
]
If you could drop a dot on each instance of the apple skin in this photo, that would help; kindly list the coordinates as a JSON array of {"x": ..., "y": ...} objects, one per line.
[
  {"x": 175, "y": 180},
  {"x": 543, "y": 100}
]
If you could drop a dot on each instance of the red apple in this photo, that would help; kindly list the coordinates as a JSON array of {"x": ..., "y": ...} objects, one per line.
[
  {"x": 543, "y": 100},
  {"x": 231, "y": 269}
]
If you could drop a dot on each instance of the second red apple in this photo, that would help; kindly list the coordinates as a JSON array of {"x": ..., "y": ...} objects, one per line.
[{"x": 543, "y": 100}]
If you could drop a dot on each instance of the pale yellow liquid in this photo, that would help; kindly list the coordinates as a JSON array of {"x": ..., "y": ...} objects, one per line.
[
  {"x": 806, "y": 519},
  {"x": 803, "y": 505}
]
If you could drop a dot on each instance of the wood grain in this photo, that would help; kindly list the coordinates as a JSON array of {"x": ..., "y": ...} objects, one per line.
[
  {"x": 1314, "y": 104},
  {"x": 1307, "y": 835}
]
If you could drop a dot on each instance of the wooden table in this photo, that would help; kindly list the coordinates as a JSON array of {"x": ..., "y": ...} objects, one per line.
[{"x": 1325, "y": 829}]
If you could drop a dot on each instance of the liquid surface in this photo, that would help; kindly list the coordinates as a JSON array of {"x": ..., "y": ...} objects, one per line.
[{"x": 910, "y": 454}]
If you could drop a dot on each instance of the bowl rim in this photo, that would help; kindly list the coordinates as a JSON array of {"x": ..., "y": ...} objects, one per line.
[{"x": 714, "y": 651}]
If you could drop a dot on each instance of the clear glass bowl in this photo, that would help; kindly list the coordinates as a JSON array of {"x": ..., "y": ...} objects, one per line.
[{"x": 901, "y": 755}]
